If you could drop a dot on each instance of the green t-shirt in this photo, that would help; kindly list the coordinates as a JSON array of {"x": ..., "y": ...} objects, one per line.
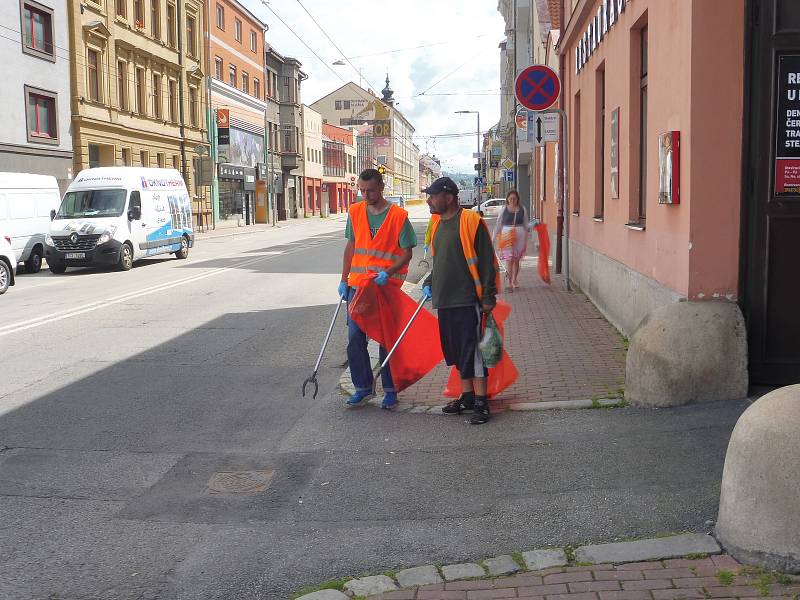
[{"x": 408, "y": 237}]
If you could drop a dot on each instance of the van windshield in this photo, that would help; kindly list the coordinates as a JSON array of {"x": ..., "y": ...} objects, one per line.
[{"x": 92, "y": 203}]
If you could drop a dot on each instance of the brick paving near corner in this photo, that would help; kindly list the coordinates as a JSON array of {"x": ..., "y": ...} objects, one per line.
[
  {"x": 715, "y": 577},
  {"x": 562, "y": 346}
]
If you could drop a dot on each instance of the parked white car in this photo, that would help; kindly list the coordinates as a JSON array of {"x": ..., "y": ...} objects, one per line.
[
  {"x": 8, "y": 263},
  {"x": 490, "y": 207},
  {"x": 26, "y": 203},
  {"x": 116, "y": 215}
]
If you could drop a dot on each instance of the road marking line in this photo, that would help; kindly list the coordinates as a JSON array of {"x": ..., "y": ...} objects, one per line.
[{"x": 60, "y": 316}]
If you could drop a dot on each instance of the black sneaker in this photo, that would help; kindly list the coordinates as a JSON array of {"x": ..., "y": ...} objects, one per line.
[
  {"x": 465, "y": 402},
  {"x": 481, "y": 411}
]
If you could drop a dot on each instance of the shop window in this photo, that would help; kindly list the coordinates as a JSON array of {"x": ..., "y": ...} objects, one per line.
[
  {"x": 600, "y": 143},
  {"x": 37, "y": 30},
  {"x": 42, "y": 116}
]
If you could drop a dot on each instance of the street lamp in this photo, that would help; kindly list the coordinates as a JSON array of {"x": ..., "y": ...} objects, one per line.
[{"x": 341, "y": 63}]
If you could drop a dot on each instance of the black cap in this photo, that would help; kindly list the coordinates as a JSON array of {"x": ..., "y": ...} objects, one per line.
[{"x": 443, "y": 184}]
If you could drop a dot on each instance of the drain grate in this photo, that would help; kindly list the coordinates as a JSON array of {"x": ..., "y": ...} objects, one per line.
[{"x": 240, "y": 482}]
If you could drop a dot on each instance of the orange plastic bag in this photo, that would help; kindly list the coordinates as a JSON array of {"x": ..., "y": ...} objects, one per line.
[
  {"x": 382, "y": 312},
  {"x": 501, "y": 376},
  {"x": 544, "y": 252}
]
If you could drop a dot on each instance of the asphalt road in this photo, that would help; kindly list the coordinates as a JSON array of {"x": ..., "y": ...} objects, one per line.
[{"x": 123, "y": 394}]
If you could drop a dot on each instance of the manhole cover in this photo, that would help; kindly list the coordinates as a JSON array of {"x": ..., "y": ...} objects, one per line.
[{"x": 240, "y": 482}]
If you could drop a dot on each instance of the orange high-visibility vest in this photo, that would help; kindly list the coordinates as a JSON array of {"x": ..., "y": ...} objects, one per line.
[
  {"x": 468, "y": 229},
  {"x": 379, "y": 253}
]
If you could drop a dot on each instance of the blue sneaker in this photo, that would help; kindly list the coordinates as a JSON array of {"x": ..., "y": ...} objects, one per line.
[
  {"x": 358, "y": 398},
  {"x": 389, "y": 400}
]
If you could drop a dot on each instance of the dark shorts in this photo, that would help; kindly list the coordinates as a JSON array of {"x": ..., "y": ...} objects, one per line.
[{"x": 459, "y": 330}]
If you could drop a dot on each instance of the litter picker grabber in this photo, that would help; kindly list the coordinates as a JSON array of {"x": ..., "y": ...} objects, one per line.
[
  {"x": 377, "y": 370},
  {"x": 313, "y": 378},
  {"x": 424, "y": 260}
]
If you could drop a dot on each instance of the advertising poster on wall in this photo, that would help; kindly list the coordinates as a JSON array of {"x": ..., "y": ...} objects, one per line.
[
  {"x": 245, "y": 148},
  {"x": 615, "y": 153},
  {"x": 787, "y": 123}
]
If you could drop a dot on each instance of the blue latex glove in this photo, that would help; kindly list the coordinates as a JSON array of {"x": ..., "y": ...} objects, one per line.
[
  {"x": 343, "y": 290},
  {"x": 426, "y": 292},
  {"x": 382, "y": 278},
  {"x": 426, "y": 247}
]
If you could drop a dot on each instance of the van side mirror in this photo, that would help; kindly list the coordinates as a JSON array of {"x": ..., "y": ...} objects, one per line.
[
  {"x": 134, "y": 214},
  {"x": 52, "y": 214}
]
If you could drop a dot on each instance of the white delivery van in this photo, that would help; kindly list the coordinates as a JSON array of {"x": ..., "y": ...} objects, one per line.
[
  {"x": 116, "y": 215},
  {"x": 25, "y": 204}
]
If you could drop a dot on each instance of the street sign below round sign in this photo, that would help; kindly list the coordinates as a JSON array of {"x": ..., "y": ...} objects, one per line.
[
  {"x": 537, "y": 87},
  {"x": 507, "y": 163}
]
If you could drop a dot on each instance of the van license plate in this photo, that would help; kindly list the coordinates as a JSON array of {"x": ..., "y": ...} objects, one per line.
[{"x": 69, "y": 255}]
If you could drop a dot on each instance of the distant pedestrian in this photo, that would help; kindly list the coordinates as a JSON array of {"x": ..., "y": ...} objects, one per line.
[
  {"x": 511, "y": 237},
  {"x": 463, "y": 286},
  {"x": 380, "y": 240}
]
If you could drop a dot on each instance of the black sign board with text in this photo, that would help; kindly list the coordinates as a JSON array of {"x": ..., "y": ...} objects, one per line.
[{"x": 787, "y": 123}]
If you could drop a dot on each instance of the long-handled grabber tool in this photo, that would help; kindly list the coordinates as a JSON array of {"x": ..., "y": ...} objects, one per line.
[
  {"x": 313, "y": 378},
  {"x": 424, "y": 260},
  {"x": 381, "y": 366}
]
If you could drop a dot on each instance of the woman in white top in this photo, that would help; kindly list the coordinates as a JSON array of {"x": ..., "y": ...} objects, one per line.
[{"x": 511, "y": 237}]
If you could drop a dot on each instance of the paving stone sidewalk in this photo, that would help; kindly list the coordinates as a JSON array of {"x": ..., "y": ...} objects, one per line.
[{"x": 564, "y": 349}]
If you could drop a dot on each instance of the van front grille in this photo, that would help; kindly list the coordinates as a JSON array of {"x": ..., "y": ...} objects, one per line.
[{"x": 84, "y": 242}]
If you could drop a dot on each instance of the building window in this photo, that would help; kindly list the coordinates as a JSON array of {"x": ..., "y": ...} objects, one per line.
[
  {"x": 173, "y": 100},
  {"x": 643, "y": 129},
  {"x": 122, "y": 8},
  {"x": 256, "y": 87},
  {"x": 194, "y": 112},
  {"x": 138, "y": 13},
  {"x": 122, "y": 84},
  {"x": 245, "y": 82},
  {"x": 155, "y": 18},
  {"x": 161, "y": 160},
  {"x": 93, "y": 74},
  {"x": 141, "y": 98},
  {"x": 176, "y": 161},
  {"x": 42, "y": 116},
  {"x": 191, "y": 36},
  {"x": 220, "y": 17},
  {"x": 156, "y": 95},
  {"x": 171, "y": 25},
  {"x": 218, "y": 68},
  {"x": 600, "y": 140},
  {"x": 237, "y": 29},
  {"x": 37, "y": 30},
  {"x": 254, "y": 41},
  {"x": 232, "y": 75},
  {"x": 126, "y": 157},
  {"x": 144, "y": 158},
  {"x": 576, "y": 160}
]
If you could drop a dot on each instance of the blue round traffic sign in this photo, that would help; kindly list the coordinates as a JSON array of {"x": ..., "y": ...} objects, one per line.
[{"x": 538, "y": 87}]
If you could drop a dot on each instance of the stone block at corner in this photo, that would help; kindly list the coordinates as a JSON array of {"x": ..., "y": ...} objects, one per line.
[
  {"x": 462, "y": 571},
  {"x": 371, "y": 586},
  {"x": 501, "y": 565},
  {"x": 325, "y": 595},
  {"x": 653, "y": 549},
  {"x": 426, "y": 575},
  {"x": 536, "y": 560}
]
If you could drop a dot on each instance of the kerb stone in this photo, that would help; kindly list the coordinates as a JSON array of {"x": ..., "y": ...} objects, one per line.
[
  {"x": 537, "y": 560},
  {"x": 501, "y": 565},
  {"x": 371, "y": 586},
  {"x": 325, "y": 595},
  {"x": 418, "y": 576},
  {"x": 462, "y": 571},
  {"x": 655, "y": 549}
]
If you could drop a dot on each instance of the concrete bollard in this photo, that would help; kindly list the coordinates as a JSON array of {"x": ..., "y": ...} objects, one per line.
[
  {"x": 759, "y": 512},
  {"x": 688, "y": 352}
]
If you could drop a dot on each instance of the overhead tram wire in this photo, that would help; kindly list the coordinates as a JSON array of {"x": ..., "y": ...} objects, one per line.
[{"x": 453, "y": 72}]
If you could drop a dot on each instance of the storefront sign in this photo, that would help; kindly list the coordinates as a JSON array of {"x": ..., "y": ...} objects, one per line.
[
  {"x": 787, "y": 136},
  {"x": 669, "y": 167},
  {"x": 607, "y": 16},
  {"x": 261, "y": 169},
  {"x": 223, "y": 134},
  {"x": 231, "y": 172}
]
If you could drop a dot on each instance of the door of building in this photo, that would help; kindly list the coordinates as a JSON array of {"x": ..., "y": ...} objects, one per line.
[{"x": 771, "y": 191}]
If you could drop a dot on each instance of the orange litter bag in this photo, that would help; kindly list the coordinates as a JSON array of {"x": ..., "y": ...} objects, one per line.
[
  {"x": 501, "y": 376},
  {"x": 544, "y": 252},
  {"x": 382, "y": 312}
]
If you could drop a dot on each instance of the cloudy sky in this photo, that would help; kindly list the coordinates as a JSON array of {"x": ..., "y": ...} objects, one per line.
[{"x": 457, "y": 69}]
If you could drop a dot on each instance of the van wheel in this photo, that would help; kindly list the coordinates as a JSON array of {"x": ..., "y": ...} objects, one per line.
[
  {"x": 184, "y": 251},
  {"x": 5, "y": 276},
  {"x": 57, "y": 269},
  {"x": 34, "y": 262},
  {"x": 125, "y": 257}
]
